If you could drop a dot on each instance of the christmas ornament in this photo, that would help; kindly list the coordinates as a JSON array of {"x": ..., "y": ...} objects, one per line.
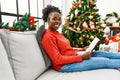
[
  {"x": 90, "y": 17},
  {"x": 107, "y": 41},
  {"x": 75, "y": 23},
  {"x": 107, "y": 32},
  {"x": 85, "y": 25},
  {"x": 92, "y": 3},
  {"x": 80, "y": 5},
  {"x": 91, "y": 37},
  {"x": 66, "y": 24},
  {"x": 75, "y": 5},
  {"x": 66, "y": 32},
  {"x": 79, "y": 1},
  {"x": 31, "y": 21},
  {"x": 11, "y": 28},
  {"x": 71, "y": 17},
  {"x": 92, "y": 25},
  {"x": 78, "y": 29},
  {"x": 76, "y": 12},
  {"x": 80, "y": 23},
  {"x": 81, "y": 38}
]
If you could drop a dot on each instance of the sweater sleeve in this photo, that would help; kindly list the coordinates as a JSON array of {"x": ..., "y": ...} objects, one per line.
[{"x": 50, "y": 46}]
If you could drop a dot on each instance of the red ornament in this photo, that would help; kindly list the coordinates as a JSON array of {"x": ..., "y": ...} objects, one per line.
[
  {"x": 19, "y": 29},
  {"x": 107, "y": 41},
  {"x": 75, "y": 5},
  {"x": 92, "y": 3},
  {"x": 31, "y": 20},
  {"x": 81, "y": 38},
  {"x": 66, "y": 32},
  {"x": 11, "y": 28}
]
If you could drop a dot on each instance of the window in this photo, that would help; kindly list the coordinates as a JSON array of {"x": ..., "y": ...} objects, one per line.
[{"x": 16, "y": 8}]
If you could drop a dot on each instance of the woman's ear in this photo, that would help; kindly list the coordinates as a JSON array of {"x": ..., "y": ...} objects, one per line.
[{"x": 48, "y": 19}]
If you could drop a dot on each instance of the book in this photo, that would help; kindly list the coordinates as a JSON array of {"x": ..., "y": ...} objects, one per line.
[{"x": 91, "y": 46}]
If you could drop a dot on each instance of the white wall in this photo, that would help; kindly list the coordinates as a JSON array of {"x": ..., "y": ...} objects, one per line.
[
  {"x": 104, "y": 6},
  {"x": 108, "y": 6}
]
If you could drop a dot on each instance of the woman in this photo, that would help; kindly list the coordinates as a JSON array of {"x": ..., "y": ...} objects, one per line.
[{"x": 64, "y": 58}]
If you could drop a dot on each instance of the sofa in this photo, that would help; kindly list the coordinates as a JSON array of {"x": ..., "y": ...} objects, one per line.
[{"x": 22, "y": 58}]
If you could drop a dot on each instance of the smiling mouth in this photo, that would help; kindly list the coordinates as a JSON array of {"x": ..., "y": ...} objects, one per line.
[{"x": 57, "y": 26}]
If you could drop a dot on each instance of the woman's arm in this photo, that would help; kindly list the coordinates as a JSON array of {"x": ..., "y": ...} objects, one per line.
[{"x": 50, "y": 46}]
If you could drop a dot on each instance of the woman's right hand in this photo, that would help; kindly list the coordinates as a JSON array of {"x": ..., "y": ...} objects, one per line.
[{"x": 87, "y": 55}]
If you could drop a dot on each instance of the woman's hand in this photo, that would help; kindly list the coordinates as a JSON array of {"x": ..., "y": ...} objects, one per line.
[
  {"x": 87, "y": 55},
  {"x": 79, "y": 49},
  {"x": 86, "y": 47}
]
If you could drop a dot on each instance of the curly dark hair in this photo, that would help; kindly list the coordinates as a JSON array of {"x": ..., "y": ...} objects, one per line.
[{"x": 46, "y": 11}]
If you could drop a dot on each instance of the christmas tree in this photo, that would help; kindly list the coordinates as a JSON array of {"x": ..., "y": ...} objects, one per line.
[{"x": 83, "y": 24}]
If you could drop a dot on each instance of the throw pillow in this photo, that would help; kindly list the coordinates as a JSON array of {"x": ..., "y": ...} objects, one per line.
[
  {"x": 24, "y": 52},
  {"x": 6, "y": 72},
  {"x": 39, "y": 35}
]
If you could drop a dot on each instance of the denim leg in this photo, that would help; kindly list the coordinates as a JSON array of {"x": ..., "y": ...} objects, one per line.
[
  {"x": 110, "y": 55},
  {"x": 114, "y": 64},
  {"x": 91, "y": 64}
]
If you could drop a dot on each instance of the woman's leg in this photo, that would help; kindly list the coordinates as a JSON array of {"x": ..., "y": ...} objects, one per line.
[
  {"x": 91, "y": 64},
  {"x": 111, "y": 55}
]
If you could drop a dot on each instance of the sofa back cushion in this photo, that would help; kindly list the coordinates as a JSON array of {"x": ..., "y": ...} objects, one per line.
[{"x": 24, "y": 54}]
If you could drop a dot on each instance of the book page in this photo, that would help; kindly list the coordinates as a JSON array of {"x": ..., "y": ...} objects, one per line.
[
  {"x": 91, "y": 47},
  {"x": 93, "y": 44}
]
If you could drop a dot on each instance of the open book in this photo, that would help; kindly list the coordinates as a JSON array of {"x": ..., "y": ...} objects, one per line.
[{"x": 91, "y": 46}]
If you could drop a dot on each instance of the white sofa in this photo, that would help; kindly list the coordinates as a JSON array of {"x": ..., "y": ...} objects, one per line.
[{"x": 22, "y": 59}]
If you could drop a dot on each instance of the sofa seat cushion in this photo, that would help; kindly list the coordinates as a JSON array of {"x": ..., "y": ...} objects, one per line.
[{"x": 100, "y": 74}]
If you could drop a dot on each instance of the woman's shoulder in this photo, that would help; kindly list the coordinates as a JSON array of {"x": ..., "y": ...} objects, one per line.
[{"x": 48, "y": 35}]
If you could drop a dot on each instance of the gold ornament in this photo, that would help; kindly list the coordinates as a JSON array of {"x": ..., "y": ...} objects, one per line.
[
  {"x": 78, "y": 29},
  {"x": 91, "y": 37},
  {"x": 90, "y": 17},
  {"x": 83, "y": 35},
  {"x": 100, "y": 22},
  {"x": 87, "y": 36}
]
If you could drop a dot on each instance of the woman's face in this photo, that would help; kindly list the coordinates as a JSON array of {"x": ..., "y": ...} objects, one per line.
[{"x": 54, "y": 20}]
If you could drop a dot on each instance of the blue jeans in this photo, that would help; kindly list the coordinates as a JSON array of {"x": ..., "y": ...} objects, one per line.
[{"x": 99, "y": 60}]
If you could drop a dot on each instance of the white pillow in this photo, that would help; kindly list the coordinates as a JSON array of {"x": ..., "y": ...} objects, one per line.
[
  {"x": 25, "y": 54},
  {"x": 6, "y": 72}
]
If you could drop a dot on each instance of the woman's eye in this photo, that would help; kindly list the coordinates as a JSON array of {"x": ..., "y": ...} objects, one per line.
[
  {"x": 54, "y": 19},
  {"x": 59, "y": 19}
]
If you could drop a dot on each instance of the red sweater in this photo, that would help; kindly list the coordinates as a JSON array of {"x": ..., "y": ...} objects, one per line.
[{"x": 59, "y": 50}]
